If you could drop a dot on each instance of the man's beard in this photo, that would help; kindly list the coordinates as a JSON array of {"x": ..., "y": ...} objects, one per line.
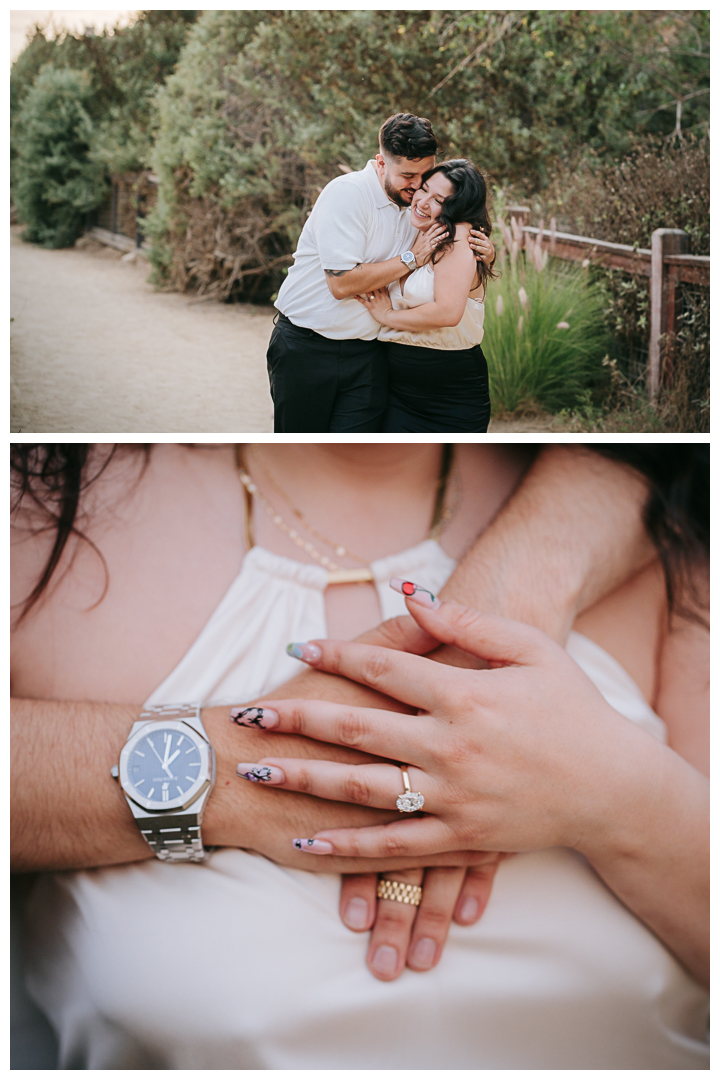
[{"x": 396, "y": 194}]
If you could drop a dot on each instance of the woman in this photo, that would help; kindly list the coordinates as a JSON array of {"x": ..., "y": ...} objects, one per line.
[
  {"x": 282, "y": 984},
  {"x": 433, "y": 318}
]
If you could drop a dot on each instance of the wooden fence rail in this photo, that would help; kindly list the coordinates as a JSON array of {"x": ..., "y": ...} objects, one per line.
[{"x": 666, "y": 263}]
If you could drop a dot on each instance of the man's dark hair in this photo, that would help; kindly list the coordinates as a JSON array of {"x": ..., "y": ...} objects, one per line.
[{"x": 408, "y": 136}]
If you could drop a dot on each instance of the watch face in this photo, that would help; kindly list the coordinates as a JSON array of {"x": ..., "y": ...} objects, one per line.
[{"x": 163, "y": 767}]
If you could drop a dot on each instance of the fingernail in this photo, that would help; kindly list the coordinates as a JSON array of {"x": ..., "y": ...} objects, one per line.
[
  {"x": 423, "y": 953},
  {"x": 302, "y": 651},
  {"x": 255, "y": 717},
  {"x": 385, "y": 960},
  {"x": 317, "y": 847},
  {"x": 356, "y": 913},
  {"x": 418, "y": 593},
  {"x": 469, "y": 910},
  {"x": 261, "y": 774}
]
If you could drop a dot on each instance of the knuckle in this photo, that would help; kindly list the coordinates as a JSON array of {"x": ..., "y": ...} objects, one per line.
[
  {"x": 394, "y": 916},
  {"x": 375, "y": 667},
  {"x": 356, "y": 789},
  {"x": 392, "y": 844},
  {"x": 304, "y": 781},
  {"x": 435, "y": 917},
  {"x": 296, "y": 720},
  {"x": 352, "y": 729}
]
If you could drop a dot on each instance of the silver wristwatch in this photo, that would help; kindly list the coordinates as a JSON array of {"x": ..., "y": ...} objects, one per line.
[
  {"x": 167, "y": 771},
  {"x": 408, "y": 257}
]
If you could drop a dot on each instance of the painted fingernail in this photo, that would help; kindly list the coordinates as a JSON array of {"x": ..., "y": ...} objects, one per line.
[
  {"x": 302, "y": 651},
  {"x": 317, "y": 847},
  {"x": 255, "y": 717},
  {"x": 415, "y": 592},
  {"x": 468, "y": 910},
  {"x": 423, "y": 953},
  {"x": 261, "y": 774},
  {"x": 356, "y": 913},
  {"x": 385, "y": 960}
]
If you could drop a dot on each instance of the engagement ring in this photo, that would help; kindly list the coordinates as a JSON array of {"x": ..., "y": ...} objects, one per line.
[{"x": 409, "y": 801}]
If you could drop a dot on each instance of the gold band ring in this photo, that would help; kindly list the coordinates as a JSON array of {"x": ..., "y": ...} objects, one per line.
[{"x": 400, "y": 891}]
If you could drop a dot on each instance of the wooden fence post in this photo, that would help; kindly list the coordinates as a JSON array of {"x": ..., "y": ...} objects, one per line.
[{"x": 663, "y": 296}]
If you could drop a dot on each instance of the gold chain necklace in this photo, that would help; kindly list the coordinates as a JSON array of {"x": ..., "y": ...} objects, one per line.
[
  {"x": 339, "y": 549},
  {"x": 442, "y": 516}
]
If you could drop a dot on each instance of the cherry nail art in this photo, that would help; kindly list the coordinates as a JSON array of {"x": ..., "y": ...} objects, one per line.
[{"x": 418, "y": 593}]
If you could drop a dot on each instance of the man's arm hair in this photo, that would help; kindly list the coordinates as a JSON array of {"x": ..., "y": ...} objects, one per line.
[{"x": 364, "y": 277}]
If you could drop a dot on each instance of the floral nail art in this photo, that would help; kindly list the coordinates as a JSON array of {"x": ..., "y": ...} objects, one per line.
[
  {"x": 254, "y": 717},
  {"x": 258, "y": 774},
  {"x": 318, "y": 847}
]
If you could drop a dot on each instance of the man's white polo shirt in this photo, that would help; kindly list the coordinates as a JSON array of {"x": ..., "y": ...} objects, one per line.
[{"x": 353, "y": 221}]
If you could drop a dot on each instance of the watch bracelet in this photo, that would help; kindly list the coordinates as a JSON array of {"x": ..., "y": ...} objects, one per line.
[{"x": 180, "y": 842}]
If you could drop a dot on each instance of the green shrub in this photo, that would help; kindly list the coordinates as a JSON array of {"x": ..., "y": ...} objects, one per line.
[
  {"x": 267, "y": 106},
  {"x": 545, "y": 338},
  {"x": 122, "y": 67},
  {"x": 57, "y": 183}
]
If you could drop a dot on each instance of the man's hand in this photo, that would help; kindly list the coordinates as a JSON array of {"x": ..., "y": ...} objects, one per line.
[{"x": 415, "y": 936}]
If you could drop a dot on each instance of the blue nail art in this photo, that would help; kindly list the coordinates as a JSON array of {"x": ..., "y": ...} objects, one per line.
[{"x": 294, "y": 650}]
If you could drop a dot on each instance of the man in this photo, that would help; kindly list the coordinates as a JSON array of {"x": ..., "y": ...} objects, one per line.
[{"x": 325, "y": 363}]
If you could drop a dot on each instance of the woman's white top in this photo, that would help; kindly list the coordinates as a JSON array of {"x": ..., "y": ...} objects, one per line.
[
  {"x": 239, "y": 963},
  {"x": 419, "y": 288}
]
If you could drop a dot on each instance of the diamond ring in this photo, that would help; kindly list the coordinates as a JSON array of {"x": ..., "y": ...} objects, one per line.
[{"x": 409, "y": 801}]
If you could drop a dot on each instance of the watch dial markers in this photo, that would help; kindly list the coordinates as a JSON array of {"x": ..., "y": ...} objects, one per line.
[{"x": 162, "y": 770}]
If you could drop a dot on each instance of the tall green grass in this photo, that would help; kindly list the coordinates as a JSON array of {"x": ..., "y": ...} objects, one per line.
[{"x": 545, "y": 336}]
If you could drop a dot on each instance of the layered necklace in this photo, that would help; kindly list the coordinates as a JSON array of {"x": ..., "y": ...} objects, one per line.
[{"x": 444, "y": 510}]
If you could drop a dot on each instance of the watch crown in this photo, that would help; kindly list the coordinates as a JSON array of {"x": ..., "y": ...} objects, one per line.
[{"x": 114, "y": 772}]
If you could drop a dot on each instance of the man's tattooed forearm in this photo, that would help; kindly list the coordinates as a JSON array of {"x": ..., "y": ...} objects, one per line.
[{"x": 339, "y": 273}]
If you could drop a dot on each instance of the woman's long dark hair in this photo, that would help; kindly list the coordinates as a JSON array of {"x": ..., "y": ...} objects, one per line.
[
  {"x": 54, "y": 476},
  {"x": 51, "y": 478},
  {"x": 467, "y": 203}
]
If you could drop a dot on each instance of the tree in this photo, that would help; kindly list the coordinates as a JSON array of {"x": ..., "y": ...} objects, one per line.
[{"x": 57, "y": 182}]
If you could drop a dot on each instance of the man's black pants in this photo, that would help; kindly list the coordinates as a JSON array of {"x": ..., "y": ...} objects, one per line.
[{"x": 318, "y": 384}]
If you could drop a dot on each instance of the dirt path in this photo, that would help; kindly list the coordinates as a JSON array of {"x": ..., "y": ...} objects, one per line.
[{"x": 96, "y": 349}]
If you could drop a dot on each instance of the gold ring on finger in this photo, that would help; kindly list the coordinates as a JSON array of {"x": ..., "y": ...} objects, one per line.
[
  {"x": 400, "y": 891},
  {"x": 409, "y": 801}
]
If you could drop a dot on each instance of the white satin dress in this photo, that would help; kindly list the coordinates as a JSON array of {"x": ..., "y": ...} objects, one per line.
[{"x": 238, "y": 963}]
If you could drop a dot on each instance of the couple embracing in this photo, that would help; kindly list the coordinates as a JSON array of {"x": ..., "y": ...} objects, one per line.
[{"x": 381, "y": 316}]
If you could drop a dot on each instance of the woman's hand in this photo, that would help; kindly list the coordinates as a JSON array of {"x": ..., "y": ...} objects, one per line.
[
  {"x": 378, "y": 304},
  {"x": 425, "y": 242},
  {"x": 405, "y": 934},
  {"x": 525, "y": 756},
  {"x": 482, "y": 248}
]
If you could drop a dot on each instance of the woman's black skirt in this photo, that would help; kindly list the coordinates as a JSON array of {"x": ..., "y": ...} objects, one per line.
[{"x": 436, "y": 389}]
